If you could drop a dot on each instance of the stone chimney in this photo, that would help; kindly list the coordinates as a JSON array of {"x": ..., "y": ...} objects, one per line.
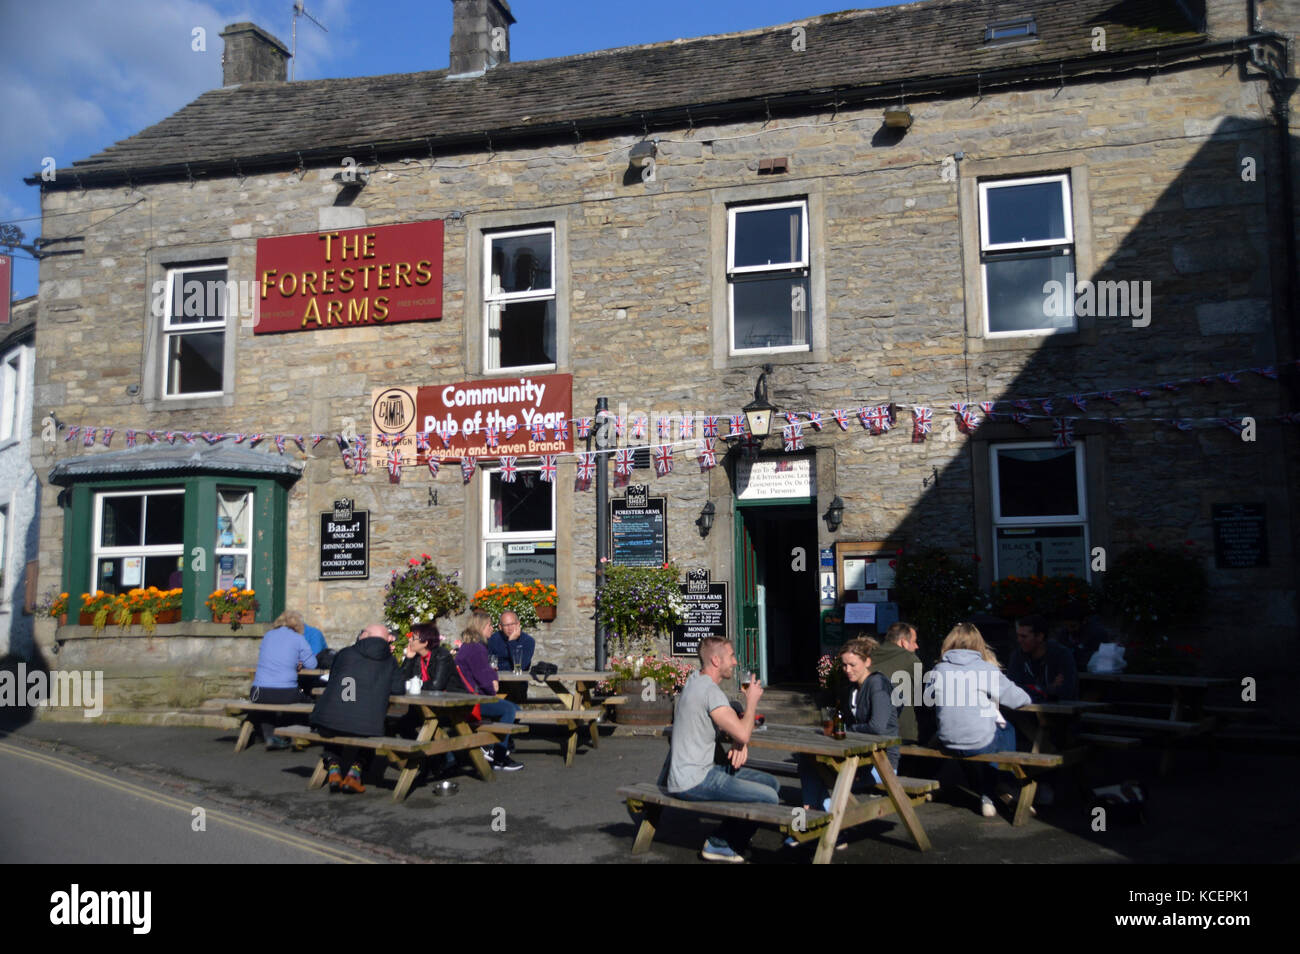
[
  {"x": 480, "y": 36},
  {"x": 252, "y": 56}
]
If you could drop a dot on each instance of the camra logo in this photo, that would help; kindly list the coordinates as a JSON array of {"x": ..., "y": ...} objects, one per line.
[
  {"x": 77, "y": 907},
  {"x": 394, "y": 410}
]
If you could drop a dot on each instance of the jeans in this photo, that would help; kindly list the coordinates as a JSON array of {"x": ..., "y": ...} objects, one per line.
[
  {"x": 726, "y": 784},
  {"x": 501, "y": 710},
  {"x": 815, "y": 792},
  {"x": 268, "y": 722},
  {"x": 984, "y": 775}
]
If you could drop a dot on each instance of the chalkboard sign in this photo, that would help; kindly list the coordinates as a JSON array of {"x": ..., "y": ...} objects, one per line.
[
  {"x": 638, "y": 529},
  {"x": 1240, "y": 536},
  {"x": 345, "y": 544},
  {"x": 706, "y": 612}
]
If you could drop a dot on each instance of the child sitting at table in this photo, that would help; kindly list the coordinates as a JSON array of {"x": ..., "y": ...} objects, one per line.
[{"x": 966, "y": 688}]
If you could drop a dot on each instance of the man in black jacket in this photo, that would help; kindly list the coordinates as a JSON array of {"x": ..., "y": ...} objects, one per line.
[{"x": 355, "y": 702}]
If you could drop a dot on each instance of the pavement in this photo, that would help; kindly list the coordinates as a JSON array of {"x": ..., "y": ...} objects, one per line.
[{"x": 147, "y": 781}]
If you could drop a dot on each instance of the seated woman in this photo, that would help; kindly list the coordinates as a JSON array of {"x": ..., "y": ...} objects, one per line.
[
  {"x": 283, "y": 652},
  {"x": 479, "y": 677},
  {"x": 429, "y": 661},
  {"x": 966, "y": 688},
  {"x": 865, "y": 706}
]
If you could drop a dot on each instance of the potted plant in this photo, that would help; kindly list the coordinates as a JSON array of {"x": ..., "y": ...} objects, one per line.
[
  {"x": 421, "y": 594},
  {"x": 640, "y": 602},
  {"x": 647, "y": 702},
  {"x": 95, "y": 608},
  {"x": 1157, "y": 594},
  {"x": 830, "y": 676},
  {"x": 233, "y": 606},
  {"x": 54, "y": 606},
  {"x": 545, "y": 599},
  {"x": 935, "y": 591},
  {"x": 1016, "y": 596},
  {"x": 152, "y": 606},
  {"x": 525, "y": 600}
]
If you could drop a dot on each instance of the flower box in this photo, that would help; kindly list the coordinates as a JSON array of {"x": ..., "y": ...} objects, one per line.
[
  {"x": 247, "y": 616},
  {"x": 545, "y": 613}
]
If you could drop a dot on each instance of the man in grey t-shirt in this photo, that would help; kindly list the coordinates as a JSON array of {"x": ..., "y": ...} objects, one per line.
[{"x": 702, "y": 709}]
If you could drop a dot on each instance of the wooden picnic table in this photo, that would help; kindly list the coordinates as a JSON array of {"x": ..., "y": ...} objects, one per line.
[
  {"x": 838, "y": 760},
  {"x": 440, "y": 711},
  {"x": 573, "y": 689},
  {"x": 1181, "y": 697},
  {"x": 1051, "y": 719},
  {"x": 302, "y": 672}
]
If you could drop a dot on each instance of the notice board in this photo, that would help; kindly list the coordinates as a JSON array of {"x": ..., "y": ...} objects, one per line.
[{"x": 638, "y": 529}]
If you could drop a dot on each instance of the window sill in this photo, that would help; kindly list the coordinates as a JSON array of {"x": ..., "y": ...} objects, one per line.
[
  {"x": 756, "y": 359},
  {"x": 190, "y": 403},
  {"x": 523, "y": 369},
  {"x": 1061, "y": 339}
]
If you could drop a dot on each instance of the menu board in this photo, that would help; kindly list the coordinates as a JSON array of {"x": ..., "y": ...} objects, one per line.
[
  {"x": 638, "y": 529},
  {"x": 706, "y": 613},
  {"x": 345, "y": 544},
  {"x": 1240, "y": 536}
]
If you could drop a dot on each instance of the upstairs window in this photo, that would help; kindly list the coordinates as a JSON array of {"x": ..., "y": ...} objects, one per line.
[
  {"x": 519, "y": 299},
  {"x": 767, "y": 277},
  {"x": 194, "y": 331},
  {"x": 1026, "y": 241},
  {"x": 1007, "y": 31}
]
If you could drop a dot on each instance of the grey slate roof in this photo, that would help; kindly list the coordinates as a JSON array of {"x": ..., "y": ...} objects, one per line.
[
  {"x": 850, "y": 50},
  {"x": 222, "y": 457}
]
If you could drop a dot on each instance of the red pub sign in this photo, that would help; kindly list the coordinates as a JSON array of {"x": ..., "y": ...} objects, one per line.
[
  {"x": 474, "y": 414},
  {"x": 349, "y": 278}
]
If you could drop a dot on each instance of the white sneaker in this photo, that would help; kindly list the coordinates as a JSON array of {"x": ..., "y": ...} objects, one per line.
[
  {"x": 487, "y": 753},
  {"x": 987, "y": 809}
]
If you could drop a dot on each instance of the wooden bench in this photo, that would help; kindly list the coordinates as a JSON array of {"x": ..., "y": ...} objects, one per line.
[
  {"x": 573, "y": 720},
  {"x": 1109, "y": 741},
  {"x": 1024, "y": 766},
  {"x": 237, "y": 708},
  {"x": 1171, "y": 726},
  {"x": 649, "y": 800},
  {"x": 917, "y": 789},
  {"x": 408, "y": 754}
]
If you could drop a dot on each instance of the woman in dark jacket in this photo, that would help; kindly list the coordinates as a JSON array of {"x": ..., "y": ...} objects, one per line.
[
  {"x": 355, "y": 702},
  {"x": 430, "y": 662}
]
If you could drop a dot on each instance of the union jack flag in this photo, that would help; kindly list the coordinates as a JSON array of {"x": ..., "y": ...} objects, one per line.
[
  {"x": 966, "y": 419},
  {"x": 509, "y": 431},
  {"x": 256, "y": 439},
  {"x": 881, "y": 418},
  {"x": 539, "y": 430},
  {"x": 618, "y": 425},
  {"x": 363, "y": 458},
  {"x": 152, "y": 435},
  {"x": 1046, "y": 406},
  {"x": 89, "y": 437},
  {"x": 1108, "y": 396},
  {"x": 815, "y": 419},
  {"x": 1235, "y": 426},
  {"x": 381, "y": 440},
  {"x": 623, "y": 462},
  {"x": 1022, "y": 420},
  {"x": 1207, "y": 380},
  {"x": 737, "y": 422},
  {"x": 422, "y": 442},
  {"x": 433, "y": 465},
  {"x": 1292, "y": 418},
  {"x": 189, "y": 437},
  {"x": 922, "y": 419},
  {"x": 549, "y": 462},
  {"x": 987, "y": 406},
  {"x": 639, "y": 426},
  {"x": 792, "y": 437},
  {"x": 584, "y": 427},
  {"x": 686, "y": 430},
  {"x": 1168, "y": 386},
  {"x": 73, "y": 431},
  {"x": 508, "y": 469},
  {"x": 586, "y": 468},
  {"x": 170, "y": 437},
  {"x": 466, "y": 469},
  {"x": 1063, "y": 428},
  {"x": 841, "y": 418},
  {"x": 1181, "y": 423},
  {"x": 490, "y": 435},
  {"x": 108, "y": 436},
  {"x": 297, "y": 439},
  {"x": 1023, "y": 406},
  {"x": 445, "y": 435},
  {"x": 664, "y": 459},
  {"x": 864, "y": 415},
  {"x": 345, "y": 450},
  {"x": 1079, "y": 401},
  {"x": 279, "y": 443},
  {"x": 560, "y": 428},
  {"x": 710, "y": 426},
  {"x": 130, "y": 439},
  {"x": 751, "y": 446},
  {"x": 661, "y": 427},
  {"x": 1143, "y": 393},
  {"x": 792, "y": 418},
  {"x": 708, "y": 457},
  {"x": 316, "y": 439},
  {"x": 395, "y": 466},
  {"x": 1270, "y": 373}
]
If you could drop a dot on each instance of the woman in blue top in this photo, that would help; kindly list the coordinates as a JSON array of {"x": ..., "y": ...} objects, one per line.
[{"x": 283, "y": 652}]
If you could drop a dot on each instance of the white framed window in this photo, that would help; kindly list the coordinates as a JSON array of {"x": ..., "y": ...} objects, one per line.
[
  {"x": 233, "y": 544},
  {"x": 767, "y": 277},
  {"x": 1026, "y": 241},
  {"x": 518, "y": 527},
  {"x": 519, "y": 299},
  {"x": 1040, "y": 510},
  {"x": 11, "y": 395},
  {"x": 194, "y": 331},
  {"x": 139, "y": 539}
]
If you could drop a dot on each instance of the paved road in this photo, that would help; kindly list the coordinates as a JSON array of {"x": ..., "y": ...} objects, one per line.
[{"x": 57, "y": 810}]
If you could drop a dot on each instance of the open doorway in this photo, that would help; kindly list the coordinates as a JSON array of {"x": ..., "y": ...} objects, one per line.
[{"x": 776, "y": 592}]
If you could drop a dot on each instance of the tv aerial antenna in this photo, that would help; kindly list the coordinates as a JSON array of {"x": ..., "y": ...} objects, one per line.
[{"x": 299, "y": 11}]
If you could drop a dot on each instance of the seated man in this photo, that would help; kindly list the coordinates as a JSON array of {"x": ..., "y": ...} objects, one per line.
[
  {"x": 355, "y": 702},
  {"x": 896, "y": 660},
  {"x": 701, "y": 710},
  {"x": 1043, "y": 669},
  {"x": 509, "y": 643}
]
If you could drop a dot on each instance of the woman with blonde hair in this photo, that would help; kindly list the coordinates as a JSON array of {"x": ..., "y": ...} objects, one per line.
[
  {"x": 966, "y": 688},
  {"x": 479, "y": 676},
  {"x": 283, "y": 651}
]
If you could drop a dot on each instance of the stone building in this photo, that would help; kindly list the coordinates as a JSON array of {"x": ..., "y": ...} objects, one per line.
[
  {"x": 18, "y": 484},
  {"x": 871, "y": 202}
]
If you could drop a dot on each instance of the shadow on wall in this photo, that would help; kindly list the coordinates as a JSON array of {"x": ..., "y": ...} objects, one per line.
[{"x": 14, "y": 712}]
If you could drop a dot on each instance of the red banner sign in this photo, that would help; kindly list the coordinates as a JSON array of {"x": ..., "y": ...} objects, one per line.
[
  {"x": 6, "y": 291},
  {"x": 472, "y": 413},
  {"x": 349, "y": 278}
]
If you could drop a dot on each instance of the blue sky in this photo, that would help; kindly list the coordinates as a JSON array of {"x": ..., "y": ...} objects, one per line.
[{"x": 78, "y": 75}]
